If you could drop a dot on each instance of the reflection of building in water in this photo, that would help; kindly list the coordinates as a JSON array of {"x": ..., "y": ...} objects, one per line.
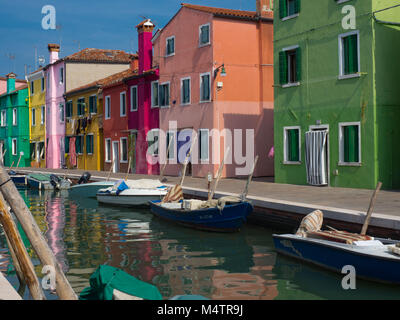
[{"x": 55, "y": 220}]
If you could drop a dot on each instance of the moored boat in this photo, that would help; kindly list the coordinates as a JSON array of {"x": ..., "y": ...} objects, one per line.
[
  {"x": 18, "y": 179},
  {"x": 44, "y": 181},
  {"x": 86, "y": 189}
]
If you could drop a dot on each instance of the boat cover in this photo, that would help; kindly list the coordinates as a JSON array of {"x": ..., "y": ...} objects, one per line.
[
  {"x": 338, "y": 236},
  {"x": 122, "y": 185},
  {"x": 106, "y": 278}
]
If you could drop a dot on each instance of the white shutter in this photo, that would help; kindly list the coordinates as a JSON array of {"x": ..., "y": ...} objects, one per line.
[{"x": 316, "y": 157}]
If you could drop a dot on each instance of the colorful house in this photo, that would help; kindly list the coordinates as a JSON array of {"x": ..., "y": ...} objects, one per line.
[
  {"x": 216, "y": 78},
  {"x": 37, "y": 117},
  {"x": 336, "y": 94},
  {"x": 3, "y": 84},
  {"x": 14, "y": 132},
  {"x": 129, "y": 115},
  {"x": 66, "y": 74}
]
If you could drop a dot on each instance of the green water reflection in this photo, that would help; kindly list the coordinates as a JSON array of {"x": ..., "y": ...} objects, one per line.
[{"x": 244, "y": 265}]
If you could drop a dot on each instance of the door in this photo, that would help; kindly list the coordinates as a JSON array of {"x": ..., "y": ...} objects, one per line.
[
  {"x": 184, "y": 142},
  {"x": 115, "y": 149},
  {"x": 317, "y": 160}
]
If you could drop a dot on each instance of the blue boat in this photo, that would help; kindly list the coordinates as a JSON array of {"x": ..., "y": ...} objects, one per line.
[
  {"x": 18, "y": 179},
  {"x": 376, "y": 259},
  {"x": 230, "y": 218}
]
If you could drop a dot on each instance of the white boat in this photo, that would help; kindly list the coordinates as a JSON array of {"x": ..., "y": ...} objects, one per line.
[
  {"x": 89, "y": 190},
  {"x": 132, "y": 192}
]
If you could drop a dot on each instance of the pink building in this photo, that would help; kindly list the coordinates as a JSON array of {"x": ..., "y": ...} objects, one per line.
[
  {"x": 216, "y": 78},
  {"x": 3, "y": 84}
]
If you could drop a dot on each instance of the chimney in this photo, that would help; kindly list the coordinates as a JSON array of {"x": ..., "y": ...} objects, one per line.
[
  {"x": 10, "y": 81},
  {"x": 264, "y": 8},
  {"x": 54, "y": 49},
  {"x": 145, "y": 34}
]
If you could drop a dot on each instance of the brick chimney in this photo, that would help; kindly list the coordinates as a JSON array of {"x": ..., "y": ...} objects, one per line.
[
  {"x": 11, "y": 81},
  {"x": 54, "y": 49},
  {"x": 264, "y": 8},
  {"x": 145, "y": 33}
]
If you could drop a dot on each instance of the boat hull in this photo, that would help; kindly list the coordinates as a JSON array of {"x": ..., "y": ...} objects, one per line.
[
  {"x": 89, "y": 190},
  {"x": 19, "y": 180},
  {"x": 230, "y": 219},
  {"x": 130, "y": 198},
  {"x": 373, "y": 264}
]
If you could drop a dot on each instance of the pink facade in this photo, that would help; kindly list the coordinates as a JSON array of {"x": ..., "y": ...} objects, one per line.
[
  {"x": 240, "y": 44},
  {"x": 55, "y": 113},
  {"x": 3, "y": 84}
]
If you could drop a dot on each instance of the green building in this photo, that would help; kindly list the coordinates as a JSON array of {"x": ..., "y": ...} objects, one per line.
[
  {"x": 337, "y": 98},
  {"x": 14, "y": 124}
]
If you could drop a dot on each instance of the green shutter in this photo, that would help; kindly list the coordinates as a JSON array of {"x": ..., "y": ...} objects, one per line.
[
  {"x": 293, "y": 145},
  {"x": 298, "y": 64},
  {"x": 351, "y": 147},
  {"x": 350, "y": 51},
  {"x": 67, "y": 144},
  {"x": 282, "y": 8},
  {"x": 297, "y": 6},
  {"x": 283, "y": 68}
]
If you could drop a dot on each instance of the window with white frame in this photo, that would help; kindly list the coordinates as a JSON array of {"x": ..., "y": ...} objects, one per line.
[
  {"x": 170, "y": 145},
  {"x": 289, "y": 8},
  {"x": 290, "y": 66},
  {"x": 33, "y": 117},
  {"x": 122, "y": 104},
  {"x": 124, "y": 149},
  {"x": 93, "y": 104},
  {"x": 204, "y": 34},
  {"x": 3, "y": 118},
  {"x": 349, "y": 54},
  {"x": 349, "y": 143},
  {"x": 43, "y": 114},
  {"x": 107, "y": 109},
  {"x": 134, "y": 98},
  {"x": 14, "y": 119},
  {"x": 108, "y": 149},
  {"x": 170, "y": 46},
  {"x": 185, "y": 91},
  {"x": 205, "y": 87},
  {"x": 69, "y": 109},
  {"x": 61, "y": 75},
  {"x": 164, "y": 94},
  {"x": 79, "y": 144},
  {"x": 153, "y": 142},
  {"x": 89, "y": 144},
  {"x": 80, "y": 106},
  {"x": 204, "y": 144},
  {"x": 42, "y": 83},
  {"x": 154, "y": 94},
  {"x": 291, "y": 145},
  {"x": 61, "y": 109},
  {"x": 14, "y": 147}
]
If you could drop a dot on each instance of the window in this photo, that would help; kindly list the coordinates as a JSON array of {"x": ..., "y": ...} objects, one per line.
[
  {"x": 154, "y": 94},
  {"x": 14, "y": 147},
  {"x": 61, "y": 107},
  {"x": 349, "y": 58},
  {"x": 89, "y": 144},
  {"x": 33, "y": 117},
  {"x": 108, "y": 150},
  {"x": 42, "y": 82},
  {"x": 66, "y": 147},
  {"x": 81, "y": 106},
  {"x": 108, "y": 108},
  {"x": 122, "y": 104},
  {"x": 289, "y": 9},
  {"x": 204, "y": 36},
  {"x": 124, "y": 149},
  {"x": 79, "y": 145},
  {"x": 42, "y": 114},
  {"x": 205, "y": 87},
  {"x": 93, "y": 104},
  {"x": 3, "y": 118},
  {"x": 349, "y": 143},
  {"x": 152, "y": 142},
  {"x": 170, "y": 144},
  {"x": 14, "y": 119},
  {"x": 291, "y": 145},
  {"x": 134, "y": 98},
  {"x": 185, "y": 91},
  {"x": 164, "y": 95},
  {"x": 32, "y": 88},
  {"x": 69, "y": 109},
  {"x": 41, "y": 149},
  {"x": 290, "y": 66},
  {"x": 203, "y": 144},
  {"x": 170, "y": 50},
  {"x": 61, "y": 75}
]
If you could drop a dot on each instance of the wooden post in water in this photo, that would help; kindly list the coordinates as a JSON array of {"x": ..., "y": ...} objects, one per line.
[
  {"x": 39, "y": 243},
  {"x": 246, "y": 189},
  {"x": 129, "y": 167},
  {"x": 186, "y": 161},
  {"x": 371, "y": 206},
  {"x": 221, "y": 166},
  {"x": 22, "y": 261}
]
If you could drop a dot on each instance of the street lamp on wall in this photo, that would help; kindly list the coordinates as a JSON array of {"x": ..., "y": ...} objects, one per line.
[{"x": 223, "y": 72}]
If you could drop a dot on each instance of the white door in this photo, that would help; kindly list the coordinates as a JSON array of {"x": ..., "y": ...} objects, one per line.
[
  {"x": 317, "y": 157},
  {"x": 115, "y": 156}
]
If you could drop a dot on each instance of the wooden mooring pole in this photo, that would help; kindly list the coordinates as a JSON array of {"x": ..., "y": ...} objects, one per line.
[
  {"x": 39, "y": 243},
  {"x": 370, "y": 208},
  {"x": 211, "y": 195}
]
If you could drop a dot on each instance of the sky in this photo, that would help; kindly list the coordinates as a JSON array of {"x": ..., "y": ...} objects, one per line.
[{"x": 80, "y": 24}]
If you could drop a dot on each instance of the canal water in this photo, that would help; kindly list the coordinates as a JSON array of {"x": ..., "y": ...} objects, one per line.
[{"x": 84, "y": 234}]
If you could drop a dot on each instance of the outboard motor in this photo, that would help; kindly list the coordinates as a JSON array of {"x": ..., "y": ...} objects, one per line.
[
  {"x": 85, "y": 178},
  {"x": 55, "y": 181}
]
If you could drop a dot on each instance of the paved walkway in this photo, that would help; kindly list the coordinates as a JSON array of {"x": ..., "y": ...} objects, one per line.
[{"x": 343, "y": 204}]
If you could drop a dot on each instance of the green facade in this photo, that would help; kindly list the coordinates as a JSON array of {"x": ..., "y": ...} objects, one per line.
[
  {"x": 345, "y": 82},
  {"x": 18, "y": 100}
]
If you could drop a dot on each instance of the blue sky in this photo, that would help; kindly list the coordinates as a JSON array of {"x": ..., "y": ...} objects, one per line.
[{"x": 82, "y": 24}]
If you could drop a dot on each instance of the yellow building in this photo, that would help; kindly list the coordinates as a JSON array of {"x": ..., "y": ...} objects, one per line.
[
  {"x": 37, "y": 117},
  {"x": 84, "y": 147}
]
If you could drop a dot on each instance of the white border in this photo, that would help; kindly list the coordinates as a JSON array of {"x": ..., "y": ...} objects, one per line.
[
  {"x": 120, "y": 104},
  {"x": 105, "y": 150},
  {"x": 209, "y": 35},
  {"x": 285, "y": 155},
  {"x": 169, "y": 94},
  {"x": 107, "y": 98},
  {"x": 120, "y": 150},
  {"x": 131, "y": 104},
  {"x": 190, "y": 91},
  {"x": 208, "y": 144},
  {"x": 209, "y": 85},
  {"x": 340, "y": 51},
  {"x": 341, "y": 144},
  {"x": 166, "y": 46},
  {"x": 158, "y": 94}
]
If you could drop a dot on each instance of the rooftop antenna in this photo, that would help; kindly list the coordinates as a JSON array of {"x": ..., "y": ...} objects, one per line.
[
  {"x": 59, "y": 27},
  {"x": 11, "y": 56},
  {"x": 79, "y": 44}
]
